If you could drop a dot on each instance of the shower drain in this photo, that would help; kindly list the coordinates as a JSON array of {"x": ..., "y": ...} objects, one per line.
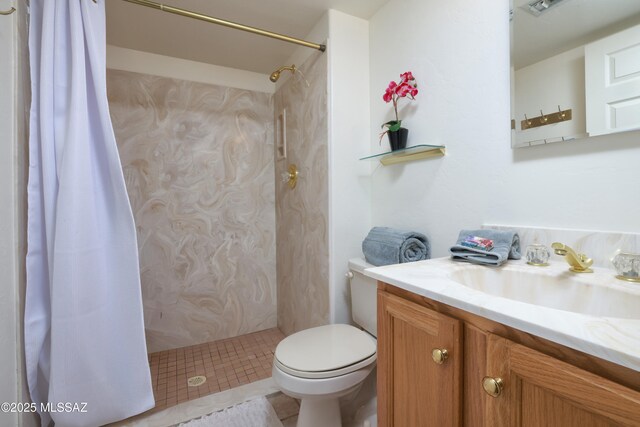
[{"x": 196, "y": 381}]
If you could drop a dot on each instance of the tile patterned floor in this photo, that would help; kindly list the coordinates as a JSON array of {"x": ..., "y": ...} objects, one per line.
[
  {"x": 287, "y": 408},
  {"x": 226, "y": 363}
]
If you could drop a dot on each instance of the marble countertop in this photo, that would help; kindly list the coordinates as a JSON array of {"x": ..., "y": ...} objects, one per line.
[{"x": 614, "y": 339}]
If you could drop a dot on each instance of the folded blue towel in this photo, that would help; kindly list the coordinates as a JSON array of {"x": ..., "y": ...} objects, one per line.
[
  {"x": 506, "y": 244},
  {"x": 384, "y": 246}
]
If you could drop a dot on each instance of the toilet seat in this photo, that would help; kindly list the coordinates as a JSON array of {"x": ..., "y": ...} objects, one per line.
[
  {"x": 325, "y": 374},
  {"x": 325, "y": 351}
]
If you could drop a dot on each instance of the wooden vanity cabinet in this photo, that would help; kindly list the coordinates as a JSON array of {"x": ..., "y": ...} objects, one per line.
[
  {"x": 415, "y": 387},
  {"x": 535, "y": 383},
  {"x": 542, "y": 391}
]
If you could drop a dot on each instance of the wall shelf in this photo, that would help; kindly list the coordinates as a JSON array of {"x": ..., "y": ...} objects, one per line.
[{"x": 408, "y": 154}]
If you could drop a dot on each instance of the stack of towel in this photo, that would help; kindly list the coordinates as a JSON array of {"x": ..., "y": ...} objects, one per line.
[
  {"x": 384, "y": 246},
  {"x": 487, "y": 247}
]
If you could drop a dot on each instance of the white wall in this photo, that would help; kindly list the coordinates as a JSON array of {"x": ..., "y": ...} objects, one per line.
[
  {"x": 349, "y": 181},
  {"x": 459, "y": 52},
  {"x": 119, "y": 58}
]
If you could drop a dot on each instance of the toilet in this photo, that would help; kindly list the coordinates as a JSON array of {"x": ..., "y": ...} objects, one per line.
[{"x": 320, "y": 365}]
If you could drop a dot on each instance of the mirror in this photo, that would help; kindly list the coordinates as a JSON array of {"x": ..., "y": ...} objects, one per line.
[{"x": 575, "y": 69}]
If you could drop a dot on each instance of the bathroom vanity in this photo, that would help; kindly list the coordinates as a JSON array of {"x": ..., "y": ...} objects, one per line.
[{"x": 451, "y": 354}]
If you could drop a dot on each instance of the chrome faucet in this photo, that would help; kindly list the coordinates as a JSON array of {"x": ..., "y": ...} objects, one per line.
[{"x": 579, "y": 263}]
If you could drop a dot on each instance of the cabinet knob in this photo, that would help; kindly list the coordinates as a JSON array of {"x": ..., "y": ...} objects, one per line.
[
  {"x": 493, "y": 386},
  {"x": 349, "y": 275},
  {"x": 439, "y": 355}
]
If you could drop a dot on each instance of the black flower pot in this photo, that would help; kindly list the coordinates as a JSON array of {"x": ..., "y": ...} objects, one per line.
[{"x": 398, "y": 138}]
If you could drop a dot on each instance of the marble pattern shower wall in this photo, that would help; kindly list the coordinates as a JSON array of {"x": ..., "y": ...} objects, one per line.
[
  {"x": 302, "y": 213},
  {"x": 198, "y": 163}
]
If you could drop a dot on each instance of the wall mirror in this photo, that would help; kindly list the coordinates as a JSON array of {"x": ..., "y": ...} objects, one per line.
[{"x": 575, "y": 69}]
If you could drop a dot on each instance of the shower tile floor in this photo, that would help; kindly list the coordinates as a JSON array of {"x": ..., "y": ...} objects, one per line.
[{"x": 226, "y": 364}]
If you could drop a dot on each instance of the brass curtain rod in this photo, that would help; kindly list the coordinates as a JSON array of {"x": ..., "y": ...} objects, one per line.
[{"x": 211, "y": 19}]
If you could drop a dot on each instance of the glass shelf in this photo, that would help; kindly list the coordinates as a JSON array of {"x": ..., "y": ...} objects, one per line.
[{"x": 415, "y": 152}]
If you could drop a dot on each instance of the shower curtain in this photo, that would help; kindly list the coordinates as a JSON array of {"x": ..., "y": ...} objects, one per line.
[{"x": 84, "y": 332}]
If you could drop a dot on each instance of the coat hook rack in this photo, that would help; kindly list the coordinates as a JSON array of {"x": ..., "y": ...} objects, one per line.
[
  {"x": 7, "y": 12},
  {"x": 545, "y": 119},
  {"x": 561, "y": 114}
]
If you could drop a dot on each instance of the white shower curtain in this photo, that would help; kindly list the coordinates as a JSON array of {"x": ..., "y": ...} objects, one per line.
[{"x": 84, "y": 331}]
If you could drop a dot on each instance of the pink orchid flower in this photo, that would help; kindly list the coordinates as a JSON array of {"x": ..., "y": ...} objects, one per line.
[
  {"x": 407, "y": 87},
  {"x": 407, "y": 76}
]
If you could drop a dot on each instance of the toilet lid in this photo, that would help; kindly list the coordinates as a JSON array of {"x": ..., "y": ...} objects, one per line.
[{"x": 325, "y": 348}]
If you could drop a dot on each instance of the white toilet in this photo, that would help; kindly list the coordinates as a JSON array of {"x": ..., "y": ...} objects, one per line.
[{"x": 319, "y": 365}]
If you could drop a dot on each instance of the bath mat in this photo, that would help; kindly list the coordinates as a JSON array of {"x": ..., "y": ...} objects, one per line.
[{"x": 254, "y": 413}]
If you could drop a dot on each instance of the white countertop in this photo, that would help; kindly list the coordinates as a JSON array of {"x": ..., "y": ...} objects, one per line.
[{"x": 614, "y": 339}]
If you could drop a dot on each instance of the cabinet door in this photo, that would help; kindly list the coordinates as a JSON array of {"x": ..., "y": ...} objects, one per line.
[
  {"x": 540, "y": 391},
  {"x": 413, "y": 389}
]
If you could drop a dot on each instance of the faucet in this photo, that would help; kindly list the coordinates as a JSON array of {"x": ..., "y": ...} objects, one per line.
[{"x": 579, "y": 263}]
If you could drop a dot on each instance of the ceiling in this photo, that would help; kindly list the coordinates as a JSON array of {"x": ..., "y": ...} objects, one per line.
[
  {"x": 150, "y": 30},
  {"x": 570, "y": 24}
]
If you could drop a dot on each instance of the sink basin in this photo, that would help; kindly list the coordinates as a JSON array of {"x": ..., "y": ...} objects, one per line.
[
  {"x": 592, "y": 312},
  {"x": 590, "y": 294}
]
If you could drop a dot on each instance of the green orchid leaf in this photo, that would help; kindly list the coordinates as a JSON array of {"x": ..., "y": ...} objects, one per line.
[{"x": 393, "y": 125}]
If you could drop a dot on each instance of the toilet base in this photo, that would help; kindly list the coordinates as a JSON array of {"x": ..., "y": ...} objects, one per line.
[
  {"x": 319, "y": 413},
  {"x": 319, "y": 397}
]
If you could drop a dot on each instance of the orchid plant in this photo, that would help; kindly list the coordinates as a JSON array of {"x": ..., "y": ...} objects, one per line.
[{"x": 407, "y": 87}]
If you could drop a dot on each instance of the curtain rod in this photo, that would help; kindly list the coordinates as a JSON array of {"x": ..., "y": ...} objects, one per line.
[{"x": 213, "y": 20}]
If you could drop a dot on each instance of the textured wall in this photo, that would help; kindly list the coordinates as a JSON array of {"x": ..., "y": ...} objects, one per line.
[
  {"x": 302, "y": 213},
  {"x": 198, "y": 163}
]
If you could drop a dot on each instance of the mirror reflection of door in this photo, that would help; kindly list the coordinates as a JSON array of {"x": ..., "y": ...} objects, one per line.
[{"x": 575, "y": 67}]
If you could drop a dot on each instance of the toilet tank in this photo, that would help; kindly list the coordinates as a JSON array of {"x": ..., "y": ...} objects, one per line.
[{"x": 363, "y": 296}]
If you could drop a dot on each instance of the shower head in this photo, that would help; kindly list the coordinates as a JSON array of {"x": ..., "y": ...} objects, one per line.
[{"x": 276, "y": 74}]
